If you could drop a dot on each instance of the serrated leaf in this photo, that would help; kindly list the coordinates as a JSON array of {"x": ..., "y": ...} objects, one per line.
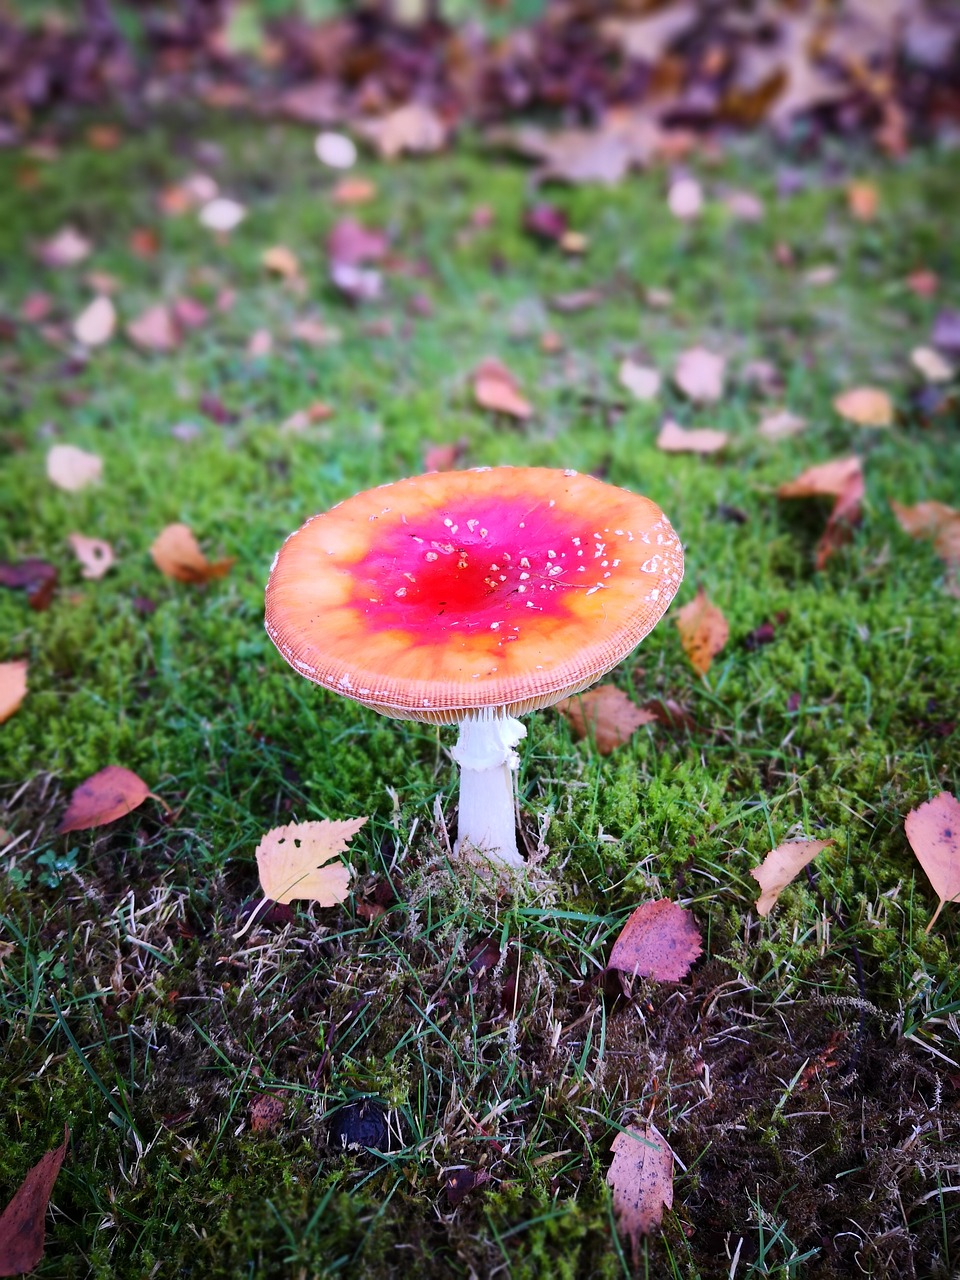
[{"x": 295, "y": 861}]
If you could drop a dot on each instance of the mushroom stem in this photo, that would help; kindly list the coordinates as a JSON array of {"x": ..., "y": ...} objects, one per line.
[{"x": 487, "y": 759}]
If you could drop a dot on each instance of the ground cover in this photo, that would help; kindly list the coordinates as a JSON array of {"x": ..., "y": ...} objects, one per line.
[{"x": 805, "y": 1073}]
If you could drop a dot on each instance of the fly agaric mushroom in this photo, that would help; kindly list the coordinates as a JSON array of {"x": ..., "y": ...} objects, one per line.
[{"x": 471, "y": 597}]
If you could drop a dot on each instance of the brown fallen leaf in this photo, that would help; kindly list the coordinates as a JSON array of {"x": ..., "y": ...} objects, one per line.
[
  {"x": 265, "y": 1112},
  {"x": 445, "y": 457},
  {"x": 660, "y": 940},
  {"x": 413, "y": 129},
  {"x": 495, "y": 388},
  {"x": 22, "y": 1223},
  {"x": 865, "y": 406},
  {"x": 745, "y": 205},
  {"x": 641, "y": 1177},
  {"x": 13, "y": 686},
  {"x": 154, "y": 330},
  {"x": 606, "y": 715},
  {"x": 177, "y": 554},
  {"x": 676, "y": 439},
  {"x": 640, "y": 380},
  {"x": 700, "y": 374},
  {"x": 95, "y": 555},
  {"x": 781, "y": 866},
  {"x": 841, "y": 478},
  {"x": 65, "y": 249},
  {"x": 863, "y": 199},
  {"x": 671, "y": 714},
  {"x": 281, "y": 261},
  {"x": 459, "y": 1182},
  {"x": 36, "y": 307},
  {"x": 72, "y": 469},
  {"x": 353, "y": 191},
  {"x": 934, "y": 520},
  {"x": 933, "y": 830},
  {"x": 37, "y": 577},
  {"x": 703, "y": 631},
  {"x": 106, "y": 796},
  {"x": 96, "y": 323},
  {"x": 295, "y": 861}
]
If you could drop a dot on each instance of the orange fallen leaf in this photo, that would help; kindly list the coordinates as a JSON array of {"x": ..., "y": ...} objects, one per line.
[
  {"x": 352, "y": 191},
  {"x": 154, "y": 330},
  {"x": 106, "y": 796},
  {"x": 13, "y": 687},
  {"x": 703, "y": 631},
  {"x": 281, "y": 261},
  {"x": 495, "y": 388},
  {"x": 641, "y": 1177},
  {"x": 934, "y": 520},
  {"x": 700, "y": 375},
  {"x": 606, "y": 715},
  {"x": 933, "y": 830},
  {"x": 95, "y": 555},
  {"x": 295, "y": 861},
  {"x": 676, "y": 439},
  {"x": 22, "y": 1223},
  {"x": 72, "y": 469},
  {"x": 865, "y": 406},
  {"x": 863, "y": 200},
  {"x": 177, "y": 554},
  {"x": 96, "y": 322},
  {"x": 266, "y": 1112},
  {"x": 660, "y": 940},
  {"x": 841, "y": 478},
  {"x": 781, "y": 866}
]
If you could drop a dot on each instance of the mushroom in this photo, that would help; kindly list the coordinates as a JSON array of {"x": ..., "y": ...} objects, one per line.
[{"x": 469, "y": 598}]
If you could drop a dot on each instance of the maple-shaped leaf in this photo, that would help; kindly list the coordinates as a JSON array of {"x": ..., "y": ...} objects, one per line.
[
  {"x": 108, "y": 795},
  {"x": 641, "y": 1177},
  {"x": 781, "y": 866},
  {"x": 703, "y": 631},
  {"x": 22, "y": 1222},
  {"x": 606, "y": 714},
  {"x": 660, "y": 940},
  {"x": 296, "y": 861},
  {"x": 933, "y": 830}
]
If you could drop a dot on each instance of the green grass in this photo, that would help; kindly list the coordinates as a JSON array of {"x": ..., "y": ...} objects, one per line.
[{"x": 802, "y": 1073}]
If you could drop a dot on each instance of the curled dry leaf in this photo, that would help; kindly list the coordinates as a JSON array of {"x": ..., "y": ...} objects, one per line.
[
  {"x": 781, "y": 866},
  {"x": 934, "y": 520},
  {"x": 96, "y": 322},
  {"x": 842, "y": 478},
  {"x": 22, "y": 1223},
  {"x": 640, "y": 380},
  {"x": 95, "y": 555},
  {"x": 660, "y": 940},
  {"x": 703, "y": 631},
  {"x": 700, "y": 374},
  {"x": 685, "y": 199},
  {"x": 71, "y": 468},
  {"x": 865, "y": 406},
  {"x": 676, "y": 439},
  {"x": 933, "y": 830},
  {"x": 495, "y": 388},
  {"x": 13, "y": 687},
  {"x": 294, "y": 861},
  {"x": 65, "y": 249},
  {"x": 606, "y": 715},
  {"x": 154, "y": 330},
  {"x": 641, "y": 1178},
  {"x": 108, "y": 795},
  {"x": 177, "y": 554}
]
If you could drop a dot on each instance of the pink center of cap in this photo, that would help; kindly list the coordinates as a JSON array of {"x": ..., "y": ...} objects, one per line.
[{"x": 486, "y": 565}]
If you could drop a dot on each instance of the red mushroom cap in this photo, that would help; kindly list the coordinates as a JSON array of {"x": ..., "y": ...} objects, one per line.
[{"x": 507, "y": 587}]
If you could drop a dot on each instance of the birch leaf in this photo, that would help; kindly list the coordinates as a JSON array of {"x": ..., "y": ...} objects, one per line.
[
  {"x": 660, "y": 940},
  {"x": 933, "y": 830},
  {"x": 110, "y": 794},
  {"x": 703, "y": 631},
  {"x": 13, "y": 687},
  {"x": 641, "y": 1176},
  {"x": 782, "y": 865},
  {"x": 606, "y": 714},
  {"x": 297, "y": 861}
]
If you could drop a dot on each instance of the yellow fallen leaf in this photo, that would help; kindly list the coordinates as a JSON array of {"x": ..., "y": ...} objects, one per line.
[
  {"x": 781, "y": 866},
  {"x": 933, "y": 830},
  {"x": 866, "y": 406},
  {"x": 13, "y": 687},
  {"x": 95, "y": 555},
  {"x": 71, "y": 468},
  {"x": 177, "y": 554},
  {"x": 863, "y": 200},
  {"x": 703, "y": 631},
  {"x": 676, "y": 439},
  {"x": 294, "y": 861}
]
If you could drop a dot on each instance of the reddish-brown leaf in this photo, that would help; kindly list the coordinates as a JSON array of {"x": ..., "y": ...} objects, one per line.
[
  {"x": 703, "y": 631},
  {"x": 660, "y": 940},
  {"x": 606, "y": 715},
  {"x": 106, "y": 796},
  {"x": 445, "y": 457},
  {"x": 495, "y": 388},
  {"x": 22, "y": 1223},
  {"x": 36, "y": 577},
  {"x": 780, "y": 866},
  {"x": 933, "y": 830},
  {"x": 65, "y": 249},
  {"x": 266, "y": 1112},
  {"x": 350, "y": 244},
  {"x": 641, "y": 1177},
  {"x": 353, "y": 191},
  {"x": 936, "y": 521},
  {"x": 863, "y": 200},
  {"x": 841, "y": 478},
  {"x": 177, "y": 554}
]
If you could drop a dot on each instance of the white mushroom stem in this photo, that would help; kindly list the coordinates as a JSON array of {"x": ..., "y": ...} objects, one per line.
[{"x": 488, "y": 762}]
